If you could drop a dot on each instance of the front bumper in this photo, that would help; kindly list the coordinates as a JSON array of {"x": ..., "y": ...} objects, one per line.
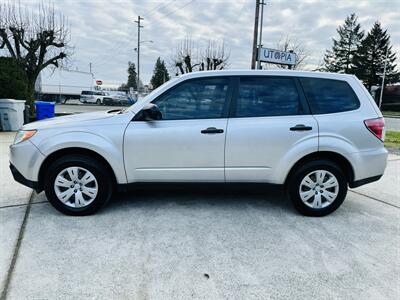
[
  {"x": 26, "y": 159},
  {"x": 18, "y": 177}
]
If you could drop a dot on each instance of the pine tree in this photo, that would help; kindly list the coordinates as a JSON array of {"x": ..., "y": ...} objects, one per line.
[
  {"x": 132, "y": 79},
  {"x": 370, "y": 58},
  {"x": 341, "y": 58},
  {"x": 160, "y": 74}
]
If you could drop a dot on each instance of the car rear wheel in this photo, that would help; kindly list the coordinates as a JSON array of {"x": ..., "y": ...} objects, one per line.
[
  {"x": 98, "y": 102},
  {"x": 317, "y": 188},
  {"x": 77, "y": 185}
]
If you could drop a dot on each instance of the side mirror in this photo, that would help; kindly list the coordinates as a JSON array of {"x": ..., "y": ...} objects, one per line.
[{"x": 150, "y": 113}]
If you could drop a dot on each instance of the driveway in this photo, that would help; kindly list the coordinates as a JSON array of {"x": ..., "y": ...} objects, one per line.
[{"x": 207, "y": 243}]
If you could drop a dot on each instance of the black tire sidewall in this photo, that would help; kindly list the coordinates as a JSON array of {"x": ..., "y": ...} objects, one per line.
[
  {"x": 95, "y": 167},
  {"x": 298, "y": 176}
]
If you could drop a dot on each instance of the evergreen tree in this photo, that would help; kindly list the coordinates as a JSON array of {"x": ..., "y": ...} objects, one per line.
[
  {"x": 341, "y": 58},
  {"x": 370, "y": 58},
  {"x": 13, "y": 80},
  {"x": 132, "y": 76},
  {"x": 160, "y": 74}
]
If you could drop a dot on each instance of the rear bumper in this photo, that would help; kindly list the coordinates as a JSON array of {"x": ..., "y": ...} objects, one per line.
[
  {"x": 368, "y": 164},
  {"x": 18, "y": 177},
  {"x": 361, "y": 182}
]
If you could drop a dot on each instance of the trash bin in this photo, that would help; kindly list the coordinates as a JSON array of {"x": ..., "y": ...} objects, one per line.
[
  {"x": 44, "y": 110},
  {"x": 11, "y": 114}
]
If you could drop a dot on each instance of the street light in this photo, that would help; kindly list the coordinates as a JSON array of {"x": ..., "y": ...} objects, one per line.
[{"x": 138, "y": 61}]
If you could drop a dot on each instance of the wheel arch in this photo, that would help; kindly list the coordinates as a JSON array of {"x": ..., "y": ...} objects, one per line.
[
  {"x": 70, "y": 151},
  {"x": 334, "y": 157}
]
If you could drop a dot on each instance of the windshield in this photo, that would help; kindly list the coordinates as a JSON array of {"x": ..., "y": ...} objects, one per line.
[{"x": 150, "y": 95}]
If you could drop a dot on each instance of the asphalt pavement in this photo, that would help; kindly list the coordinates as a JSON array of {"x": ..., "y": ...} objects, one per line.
[{"x": 209, "y": 243}]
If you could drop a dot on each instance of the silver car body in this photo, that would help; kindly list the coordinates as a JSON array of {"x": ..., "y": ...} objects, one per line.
[{"x": 254, "y": 149}]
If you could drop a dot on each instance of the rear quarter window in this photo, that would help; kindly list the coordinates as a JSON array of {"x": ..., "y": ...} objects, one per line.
[{"x": 327, "y": 96}]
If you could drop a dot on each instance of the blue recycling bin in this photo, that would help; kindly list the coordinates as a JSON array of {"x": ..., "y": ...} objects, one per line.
[{"x": 44, "y": 110}]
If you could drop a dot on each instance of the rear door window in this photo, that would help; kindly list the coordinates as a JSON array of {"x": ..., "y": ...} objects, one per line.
[
  {"x": 267, "y": 96},
  {"x": 327, "y": 96}
]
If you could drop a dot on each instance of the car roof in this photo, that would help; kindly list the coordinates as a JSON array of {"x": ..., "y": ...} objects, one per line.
[{"x": 293, "y": 73}]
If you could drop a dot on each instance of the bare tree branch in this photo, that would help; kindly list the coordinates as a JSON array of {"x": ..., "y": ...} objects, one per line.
[
  {"x": 36, "y": 38},
  {"x": 188, "y": 58}
]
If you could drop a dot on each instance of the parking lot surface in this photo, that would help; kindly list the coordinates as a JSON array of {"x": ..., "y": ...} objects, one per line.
[{"x": 205, "y": 242}]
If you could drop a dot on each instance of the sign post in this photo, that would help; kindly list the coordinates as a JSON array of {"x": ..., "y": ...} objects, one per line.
[{"x": 276, "y": 56}]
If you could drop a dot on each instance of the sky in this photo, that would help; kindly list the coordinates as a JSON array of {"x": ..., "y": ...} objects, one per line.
[{"x": 103, "y": 32}]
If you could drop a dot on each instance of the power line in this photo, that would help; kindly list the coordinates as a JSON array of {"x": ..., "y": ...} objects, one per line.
[
  {"x": 178, "y": 8},
  {"x": 158, "y": 7}
]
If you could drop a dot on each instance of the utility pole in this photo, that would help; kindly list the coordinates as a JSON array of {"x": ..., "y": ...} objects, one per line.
[
  {"x": 90, "y": 68},
  {"x": 383, "y": 76},
  {"x": 260, "y": 40},
  {"x": 254, "y": 55},
  {"x": 138, "y": 53}
]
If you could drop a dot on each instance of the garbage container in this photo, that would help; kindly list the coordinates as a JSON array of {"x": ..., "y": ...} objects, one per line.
[
  {"x": 11, "y": 114},
  {"x": 44, "y": 110}
]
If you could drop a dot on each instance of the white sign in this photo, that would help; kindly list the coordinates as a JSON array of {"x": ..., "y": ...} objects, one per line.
[{"x": 277, "y": 56}]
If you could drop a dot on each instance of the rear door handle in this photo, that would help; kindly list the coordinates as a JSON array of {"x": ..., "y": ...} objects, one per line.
[
  {"x": 300, "y": 127},
  {"x": 212, "y": 130}
]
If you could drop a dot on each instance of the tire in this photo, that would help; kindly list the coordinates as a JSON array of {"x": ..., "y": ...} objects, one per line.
[
  {"x": 98, "y": 102},
  {"x": 80, "y": 200},
  {"x": 305, "y": 180}
]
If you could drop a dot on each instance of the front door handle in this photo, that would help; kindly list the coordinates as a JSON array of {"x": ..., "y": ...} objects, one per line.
[
  {"x": 300, "y": 127},
  {"x": 212, "y": 130}
]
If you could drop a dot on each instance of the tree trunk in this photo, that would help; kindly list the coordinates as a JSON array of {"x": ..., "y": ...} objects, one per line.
[{"x": 31, "y": 94}]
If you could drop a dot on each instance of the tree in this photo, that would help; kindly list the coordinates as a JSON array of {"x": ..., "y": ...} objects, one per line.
[
  {"x": 189, "y": 59},
  {"x": 160, "y": 74},
  {"x": 35, "y": 39},
  {"x": 13, "y": 83},
  {"x": 370, "y": 58},
  {"x": 132, "y": 76},
  {"x": 341, "y": 58},
  {"x": 214, "y": 57}
]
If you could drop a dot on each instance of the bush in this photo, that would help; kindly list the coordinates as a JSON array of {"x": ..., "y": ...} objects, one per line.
[{"x": 13, "y": 81}]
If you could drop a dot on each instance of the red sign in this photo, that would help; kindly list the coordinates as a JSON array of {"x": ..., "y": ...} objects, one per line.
[{"x": 99, "y": 82}]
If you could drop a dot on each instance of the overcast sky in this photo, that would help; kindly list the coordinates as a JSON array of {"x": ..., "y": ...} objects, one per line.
[{"x": 104, "y": 33}]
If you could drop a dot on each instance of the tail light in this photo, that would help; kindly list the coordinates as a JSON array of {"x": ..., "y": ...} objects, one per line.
[{"x": 376, "y": 126}]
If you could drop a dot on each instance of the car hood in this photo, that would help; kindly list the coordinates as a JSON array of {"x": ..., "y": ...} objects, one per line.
[{"x": 69, "y": 120}]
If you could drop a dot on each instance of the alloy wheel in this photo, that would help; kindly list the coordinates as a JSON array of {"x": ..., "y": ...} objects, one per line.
[
  {"x": 319, "y": 189},
  {"x": 76, "y": 187}
]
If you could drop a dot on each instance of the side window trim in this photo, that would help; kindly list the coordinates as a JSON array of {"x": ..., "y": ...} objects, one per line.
[
  {"x": 303, "y": 100},
  {"x": 235, "y": 95},
  {"x": 227, "y": 103}
]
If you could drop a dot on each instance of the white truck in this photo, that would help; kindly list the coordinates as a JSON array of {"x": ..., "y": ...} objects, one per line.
[{"x": 61, "y": 85}]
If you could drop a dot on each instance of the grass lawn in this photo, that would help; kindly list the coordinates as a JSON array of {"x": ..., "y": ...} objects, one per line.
[
  {"x": 391, "y": 113},
  {"x": 392, "y": 139}
]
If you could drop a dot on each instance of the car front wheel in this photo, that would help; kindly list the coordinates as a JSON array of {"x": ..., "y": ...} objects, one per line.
[
  {"x": 77, "y": 185},
  {"x": 318, "y": 188}
]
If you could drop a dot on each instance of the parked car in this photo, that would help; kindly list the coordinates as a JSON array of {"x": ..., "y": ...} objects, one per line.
[
  {"x": 315, "y": 133},
  {"x": 118, "y": 99},
  {"x": 93, "y": 97}
]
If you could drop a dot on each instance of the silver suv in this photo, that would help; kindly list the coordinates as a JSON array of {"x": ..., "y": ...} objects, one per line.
[{"x": 315, "y": 133}]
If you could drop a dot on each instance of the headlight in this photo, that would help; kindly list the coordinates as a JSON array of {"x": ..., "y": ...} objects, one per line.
[{"x": 24, "y": 135}]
